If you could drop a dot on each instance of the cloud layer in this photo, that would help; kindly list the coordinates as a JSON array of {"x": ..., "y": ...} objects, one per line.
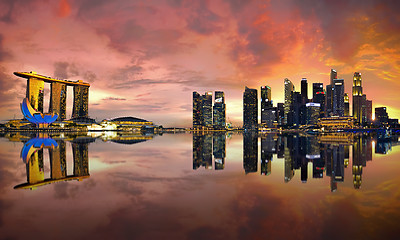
[{"x": 169, "y": 49}]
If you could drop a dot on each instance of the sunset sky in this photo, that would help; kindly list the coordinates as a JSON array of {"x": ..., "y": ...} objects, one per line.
[{"x": 145, "y": 58}]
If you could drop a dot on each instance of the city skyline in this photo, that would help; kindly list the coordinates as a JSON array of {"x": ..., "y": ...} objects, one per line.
[{"x": 145, "y": 59}]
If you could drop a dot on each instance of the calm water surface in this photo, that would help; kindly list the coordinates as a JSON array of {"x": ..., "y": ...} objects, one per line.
[{"x": 186, "y": 186}]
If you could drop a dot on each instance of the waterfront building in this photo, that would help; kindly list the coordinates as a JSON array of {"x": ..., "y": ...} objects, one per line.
[
  {"x": 338, "y": 98},
  {"x": 280, "y": 114},
  {"x": 304, "y": 90},
  {"x": 313, "y": 112},
  {"x": 289, "y": 88},
  {"x": 336, "y": 122},
  {"x": 219, "y": 115},
  {"x": 297, "y": 112},
  {"x": 320, "y": 98},
  {"x": 366, "y": 109},
  {"x": 207, "y": 110},
  {"x": 381, "y": 116},
  {"x": 250, "y": 109},
  {"x": 81, "y": 102},
  {"x": 268, "y": 112},
  {"x": 58, "y": 100},
  {"x": 197, "y": 111},
  {"x": 346, "y": 105},
  {"x": 329, "y": 93},
  {"x": 357, "y": 97},
  {"x": 317, "y": 88},
  {"x": 35, "y": 93}
]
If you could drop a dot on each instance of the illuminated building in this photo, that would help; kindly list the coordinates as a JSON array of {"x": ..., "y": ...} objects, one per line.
[
  {"x": 366, "y": 109},
  {"x": 336, "y": 122},
  {"x": 197, "y": 111},
  {"x": 296, "y": 115},
  {"x": 35, "y": 92},
  {"x": 280, "y": 114},
  {"x": 357, "y": 98},
  {"x": 329, "y": 93},
  {"x": 381, "y": 116},
  {"x": 338, "y": 98},
  {"x": 320, "y": 98},
  {"x": 317, "y": 88},
  {"x": 346, "y": 105},
  {"x": 289, "y": 88},
  {"x": 268, "y": 112},
  {"x": 58, "y": 100},
  {"x": 219, "y": 121},
  {"x": 250, "y": 109},
  {"x": 207, "y": 110},
  {"x": 313, "y": 112},
  {"x": 81, "y": 101},
  {"x": 304, "y": 90},
  {"x": 57, "y": 106},
  {"x": 250, "y": 152}
]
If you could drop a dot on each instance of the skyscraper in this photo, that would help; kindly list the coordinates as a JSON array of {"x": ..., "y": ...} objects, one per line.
[
  {"x": 317, "y": 87},
  {"x": 289, "y": 88},
  {"x": 329, "y": 93},
  {"x": 338, "y": 98},
  {"x": 357, "y": 97},
  {"x": 250, "y": 109},
  {"x": 219, "y": 111},
  {"x": 34, "y": 93},
  {"x": 346, "y": 105},
  {"x": 207, "y": 110},
  {"x": 81, "y": 102},
  {"x": 268, "y": 113},
  {"x": 197, "y": 111},
  {"x": 58, "y": 99},
  {"x": 304, "y": 90}
]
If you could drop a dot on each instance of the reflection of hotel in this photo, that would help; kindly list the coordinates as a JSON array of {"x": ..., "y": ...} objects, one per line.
[{"x": 58, "y": 165}]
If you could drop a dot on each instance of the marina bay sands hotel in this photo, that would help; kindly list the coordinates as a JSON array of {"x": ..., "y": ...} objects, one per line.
[{"x": 58, "y": 95}]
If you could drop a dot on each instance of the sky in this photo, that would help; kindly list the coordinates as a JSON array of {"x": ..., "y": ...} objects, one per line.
[{"x": 145, "y": 58}]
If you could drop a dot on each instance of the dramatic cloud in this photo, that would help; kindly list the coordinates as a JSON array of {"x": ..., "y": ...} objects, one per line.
[{"x": 171, "y": 48}]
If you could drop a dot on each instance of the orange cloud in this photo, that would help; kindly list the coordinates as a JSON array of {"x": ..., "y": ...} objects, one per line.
[{"x": 64, "y": 8}]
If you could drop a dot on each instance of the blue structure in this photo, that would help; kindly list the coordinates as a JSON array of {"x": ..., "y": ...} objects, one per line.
[
  {"x": 36, "y": 117},
  {"x": 35, "y": 144}
]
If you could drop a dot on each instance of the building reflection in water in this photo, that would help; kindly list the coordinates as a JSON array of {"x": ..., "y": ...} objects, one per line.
[
  {"x": 325, "y": 154},
  {"x": 205, "y": 146},
  {"x": 250, "y": 151},
  {"x": 32, "y": 154}
]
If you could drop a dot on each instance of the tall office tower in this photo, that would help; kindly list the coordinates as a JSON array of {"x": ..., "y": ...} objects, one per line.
[
  {"x": 81, "y": 102},
  {"x": 268, "y": 113},
  {"x": 250, "y": 109},
  {"x": 219, "y": 150},
  {"x": 34, "y": 93},
  {"x": 197, "y": 111},
  {"x": 207, "y": 110},
  {"x": 304, "y": 90},
  {"x": 219, "y": 111},
  {"x": 381, "y": 116},
  {"x": 368, "y": 111},
  {"x": 280, "y": 114},
  {"x": 58, "y": 99},
  {"x": 317, "y": 88},
  {"x": 320, "y": 98},
  {"x": 289, "y": 88},
  {"x": 329, "y": 92},
  {"x": 338, "y": 98},
  {"x": 296, "y": 113},
  {"x": 250, "y": 151},
  {"x": 313, "y": 113},
  {"x": 346, "y": 105},
  {"x": 357, "y": 97}
]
